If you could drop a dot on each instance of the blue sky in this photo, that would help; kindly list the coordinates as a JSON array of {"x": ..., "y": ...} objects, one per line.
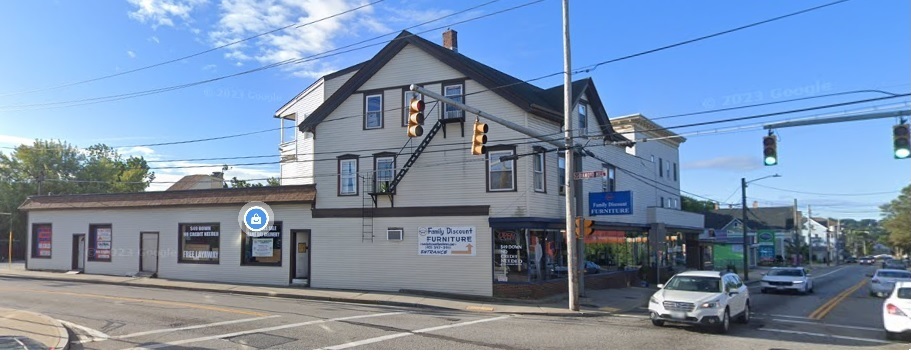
[{"x": 841, "y": 170}]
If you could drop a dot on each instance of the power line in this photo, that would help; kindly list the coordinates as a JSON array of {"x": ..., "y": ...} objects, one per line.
[
  {"x": 295, "y": 25},
  {"x": 111, "y": 98},
  {"x": 830, "y": 194}
]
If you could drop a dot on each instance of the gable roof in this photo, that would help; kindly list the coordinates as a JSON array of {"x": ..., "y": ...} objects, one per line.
[
  {"x": 321, "y": 79},
  {"x": 186, "y": 198},
  {"x": 528, "y": 97},
  {"x": 188, "y": 182}
]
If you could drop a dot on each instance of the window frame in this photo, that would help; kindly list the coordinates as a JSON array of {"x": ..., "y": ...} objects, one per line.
[
  {"x": 281, "y": 248},
  {"x": 91, "y": 244},
  {"x": 512, "y": 167},
  {"x": 660, "y": 167},
  {"x": 376, "y": 175},
  {"x": 582, "y": 118},
  {"x": 35, "y": 251},
  {"x": 561, "y": 174},
  {"x": 367, "y": 96},
  {"x": 609, "y": 180},
  {"x": 675, "y": 171},
  {"x": 180, "y": 236},
  {"x": 341, "y": 160},
  {"x": 540, "y": 157},
  {"x": 443, "y": 87}
]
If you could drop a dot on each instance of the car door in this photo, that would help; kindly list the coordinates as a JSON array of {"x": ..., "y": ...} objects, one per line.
[{"x": 734, "y": 302}]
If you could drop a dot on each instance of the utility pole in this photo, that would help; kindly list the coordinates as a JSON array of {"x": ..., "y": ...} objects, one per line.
[
  {"x": 572, "y": 268},
  {"x": 838, "y": 240},
  {"x": 810, "y": 235},
  {"x": 796, "y": 234},
  {"x": 746, "y": 240},
  {"x": 10, "y": 244},
  {"x": 828, "y": 258}
]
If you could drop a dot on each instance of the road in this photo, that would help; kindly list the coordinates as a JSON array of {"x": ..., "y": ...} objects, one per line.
[{"x": 117, "y": 317}]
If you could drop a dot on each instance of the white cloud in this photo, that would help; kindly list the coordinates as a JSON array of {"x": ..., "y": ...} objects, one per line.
[
  {"x": 137, "y": 151},
  {"x": 210, "y": 67},
  {"x": 163, "y": 12},
  {"x": 131, "y": 54},
  {"x": 16, "y": 140},
  {"x": 734, "y": 163},
  {"x": 155, "y": 39}
]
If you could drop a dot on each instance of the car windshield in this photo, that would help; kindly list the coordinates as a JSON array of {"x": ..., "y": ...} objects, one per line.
[
  {"x": 695, "y": 284},
  {"x": 786, "y": 273},
  {"x": 894, "y": 274}
]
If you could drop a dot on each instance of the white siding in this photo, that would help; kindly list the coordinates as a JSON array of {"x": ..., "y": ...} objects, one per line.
[
  {"x": 342, "y": 260},
  {"x": 128, "y": 223}
]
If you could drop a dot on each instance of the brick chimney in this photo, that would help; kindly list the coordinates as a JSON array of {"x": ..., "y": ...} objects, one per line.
[{"x": 451, "y": 40}]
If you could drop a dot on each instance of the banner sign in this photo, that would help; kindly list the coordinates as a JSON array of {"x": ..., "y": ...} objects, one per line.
[
  {"x": 447, "y": 241},
  {"x": 102, "y": 249},
  {"x": 44, "y": 240},
  {"x": 610, "y": 203}
]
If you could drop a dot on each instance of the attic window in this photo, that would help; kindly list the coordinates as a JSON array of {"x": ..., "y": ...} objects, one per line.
[{"x": 456, "y": 93}]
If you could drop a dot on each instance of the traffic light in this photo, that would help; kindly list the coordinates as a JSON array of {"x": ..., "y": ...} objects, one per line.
[
  {"x": 584, "y": 227},
  {"x": 416, "y": 117},
  {"x": 901, "y": 137},
  {"x": 478, "y": 139},
  {"x": 769, "y": 150}
]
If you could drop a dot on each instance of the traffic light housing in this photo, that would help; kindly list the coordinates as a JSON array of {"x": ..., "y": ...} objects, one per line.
[
  {"x": 415, "y": 117},
  {"x": 478, "y": 139},
  {"x": 769, "y": 150},
  {"x": 584, "y": 227},
  {"x": 901, "y": 137}
]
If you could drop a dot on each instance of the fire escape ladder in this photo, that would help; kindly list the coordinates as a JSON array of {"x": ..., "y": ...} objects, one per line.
[
  {"x": 414, "y": 156},
  {"x": 369, "y": 201}
]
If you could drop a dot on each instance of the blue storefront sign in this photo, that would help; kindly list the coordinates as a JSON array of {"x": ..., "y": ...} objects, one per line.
[{"x": 610, "y": 203}]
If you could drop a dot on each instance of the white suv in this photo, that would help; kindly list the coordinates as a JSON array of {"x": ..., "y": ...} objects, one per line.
[{"x": 706, "y": 298}]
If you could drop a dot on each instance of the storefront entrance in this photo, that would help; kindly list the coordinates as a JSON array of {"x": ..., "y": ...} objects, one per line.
[
  {"x": 300, "y": 261},
  {"x": 78, "y": 252},
  {"x": 149, "y": 253}
]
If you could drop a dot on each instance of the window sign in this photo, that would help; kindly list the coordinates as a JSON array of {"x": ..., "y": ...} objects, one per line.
[
  {"x": 41, "y": 240},
  {"x": 100, "y": 240},
  {"x": 262, "y": 248},
  {"x": 199, "y": 243}
]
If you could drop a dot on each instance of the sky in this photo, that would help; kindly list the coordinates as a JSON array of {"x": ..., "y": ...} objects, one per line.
[{"x": 79, "y": 71}]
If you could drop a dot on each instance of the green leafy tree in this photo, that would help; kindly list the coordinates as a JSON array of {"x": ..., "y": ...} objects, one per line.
[
  {"x": 690, "y": 204},
  {"x": 56, "y": 168},
  {"x": 897, "y": 220}
]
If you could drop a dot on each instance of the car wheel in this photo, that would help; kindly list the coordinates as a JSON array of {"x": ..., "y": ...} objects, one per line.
[
  {"x": 811, "y": 289},
  {"x": 655, "y": 320},
  {"x": 892, "y": 336},
  {"x": 725, "y": 323},
  {"x": 745, "y": 317}
]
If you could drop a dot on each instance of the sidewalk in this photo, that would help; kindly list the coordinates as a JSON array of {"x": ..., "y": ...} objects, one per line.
[
  {"x": 596, "y": 302},
  {"x": 34, "y": 327}
]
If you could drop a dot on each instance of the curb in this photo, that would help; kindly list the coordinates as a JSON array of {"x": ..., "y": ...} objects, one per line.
[{"x": 63, "y": 336}]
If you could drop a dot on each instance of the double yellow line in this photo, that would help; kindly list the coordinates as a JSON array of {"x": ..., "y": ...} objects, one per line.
[{"x": 823, "y": 310}]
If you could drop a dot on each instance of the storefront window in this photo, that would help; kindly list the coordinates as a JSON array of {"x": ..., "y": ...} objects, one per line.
[
  {"x": 100, "y": 240},
  {"x": 263, "y": 248},
  {"x": 199, "y": 243},
  {"x": 41, "y": 240},
  {"x": 510, "y": 256}
]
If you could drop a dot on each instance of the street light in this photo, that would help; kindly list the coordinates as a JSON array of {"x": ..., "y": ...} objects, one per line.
[{"x": 746, "y": 241}]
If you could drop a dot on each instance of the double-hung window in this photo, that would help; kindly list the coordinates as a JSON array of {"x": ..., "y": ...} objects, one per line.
[
  {"x": 455, "y": 92},
  {"x": 561, "y": 174},
  {"x": 501, "y": 176},
  {"x": 385, "y": 172},
  {"x": 373, "y": 111},
  {"x": 347, "y": 175},
  {"x": 538, "y": 170},
  {"x": 609, "y": 180},
  {"x": 583, "y": 119}
]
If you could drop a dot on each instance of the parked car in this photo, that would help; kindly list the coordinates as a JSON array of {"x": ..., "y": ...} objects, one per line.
[
  {"x": 9, "y": 343},
  {"x": 592, "y": 268},
  {"x": 896, "y": 309},
  {"x": 794, "y": 279},
  {"x": 706, "y": 298},
  {"x": 850, "y": 260},
  {"x": 866, "y": 260},
  {"x": 883, "y": 281},
  {"x": 895, "y": 264}
]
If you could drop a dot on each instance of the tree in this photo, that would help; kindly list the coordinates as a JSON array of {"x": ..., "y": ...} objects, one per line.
[
  {"x": 690, "y": 204},
  {"x": 897, "y": 220},
  {"x": 56, "y": 167}
]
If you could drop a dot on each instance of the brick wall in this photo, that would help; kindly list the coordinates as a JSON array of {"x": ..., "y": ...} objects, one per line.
[{"x": 619, "y": 279}]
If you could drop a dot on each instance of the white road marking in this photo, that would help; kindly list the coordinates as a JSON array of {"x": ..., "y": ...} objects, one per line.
[
  {"x": 826, "y": 335},
  {"x": 631, "y": 316},
  {"x": 831, "y": 325},
  {"x": 403, "y": 334},
  {"x": 327, "y": 328},
  {"x": 264, "y": 329},
  {"x": 94, "y": 335},
  {"x": 196, "y": 326},
  {"x": 829, "y": 273}
]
